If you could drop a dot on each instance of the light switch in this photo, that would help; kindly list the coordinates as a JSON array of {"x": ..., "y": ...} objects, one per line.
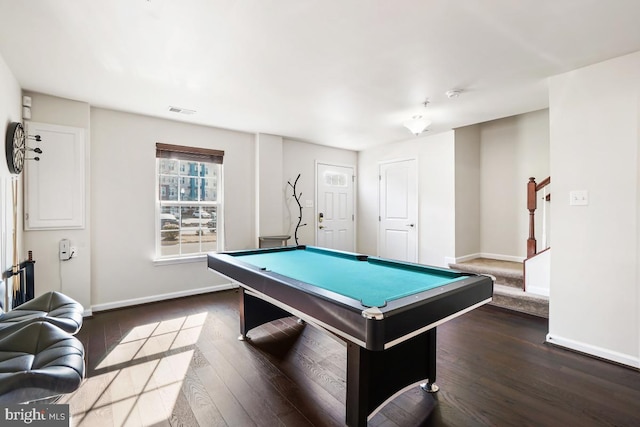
[{"x": 579, "y": 198}]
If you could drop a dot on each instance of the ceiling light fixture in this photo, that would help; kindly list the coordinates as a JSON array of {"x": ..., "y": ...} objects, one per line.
[
  {"x": 418, "y": 123},
  {"x": 453, "y": 93}
]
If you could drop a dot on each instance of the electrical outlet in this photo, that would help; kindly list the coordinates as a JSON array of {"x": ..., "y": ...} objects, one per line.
[{"x": 63, "y": 250}]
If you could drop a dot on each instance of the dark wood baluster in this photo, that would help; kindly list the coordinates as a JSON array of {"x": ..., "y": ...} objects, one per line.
[{"x": 531, "y": 205}]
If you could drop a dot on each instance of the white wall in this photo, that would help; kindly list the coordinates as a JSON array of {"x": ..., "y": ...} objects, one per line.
[
  {"x": 10, "y": 111},
  {"x": 472, "y": 188},
  {"x": 436, "y": 193},
  {"x": 269, "y": 195},
  {"x": 467, "y": 191},
  {"x": 114, "y": 265},
  {"x": 437, "y": 200},
  {"x": 595, "y": 285},
  {"x": 301, "y": 158},
  {"x": 513, "y": 149},
  {"x": 71, "y": 277},
  {"x": 123, "y": 205}
]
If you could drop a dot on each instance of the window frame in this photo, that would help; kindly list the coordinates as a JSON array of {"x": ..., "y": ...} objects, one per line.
[{"x": 183, "y": 154}]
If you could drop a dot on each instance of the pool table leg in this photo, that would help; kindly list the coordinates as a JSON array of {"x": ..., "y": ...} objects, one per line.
[
  {"x": 255, "y": 311},
  {"x": 430, "y": 386},
  {"x": 375, "y": 376},
  {"x": 358, "y": 385}
]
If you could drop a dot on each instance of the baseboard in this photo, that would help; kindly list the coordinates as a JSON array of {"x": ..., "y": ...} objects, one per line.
[
  {"x": 499, "y": 257},
  {"x": 162, "y": 297},
  {"x": 602, "y": 353},
  {"x": 87, "y": 312},
  {"x": 463, "y": 258},
  {"x": 449, "y": 260},
  {"x": 538, "y": 291}
]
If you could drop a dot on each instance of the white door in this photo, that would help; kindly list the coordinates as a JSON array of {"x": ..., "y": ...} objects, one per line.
[
  {"x": 334, "y": 207},
  {"x": 398, "y": 233}
]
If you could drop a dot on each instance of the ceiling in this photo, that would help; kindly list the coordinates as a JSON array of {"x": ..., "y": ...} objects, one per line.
[{"x": 344, "y": 73}]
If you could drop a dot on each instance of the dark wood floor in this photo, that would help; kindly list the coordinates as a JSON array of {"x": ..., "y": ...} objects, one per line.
[{"x": 178, "y": 363}]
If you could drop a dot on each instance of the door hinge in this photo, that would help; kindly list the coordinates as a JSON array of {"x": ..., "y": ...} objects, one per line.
[
  {"x": 379, "y": 218},
  {"x": 379, "y": 177},
  {"x": 353, "y": 217}
]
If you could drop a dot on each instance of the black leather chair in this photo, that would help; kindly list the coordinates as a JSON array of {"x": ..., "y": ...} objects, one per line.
[
  {"x": 39, "y": 361},
  {"x": 52, "y": 307}
]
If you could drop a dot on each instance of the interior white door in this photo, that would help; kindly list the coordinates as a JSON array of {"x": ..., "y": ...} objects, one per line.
[
  {"x": 334, "y": 207},
  {"x": 398, "y": 233}
]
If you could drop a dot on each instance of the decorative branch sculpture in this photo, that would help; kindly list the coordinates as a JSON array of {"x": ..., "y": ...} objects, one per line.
[{"x": 297, "y": 197}]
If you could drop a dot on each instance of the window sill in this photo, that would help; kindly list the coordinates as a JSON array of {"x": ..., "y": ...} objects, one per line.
[{"x": 180, "y": 260}]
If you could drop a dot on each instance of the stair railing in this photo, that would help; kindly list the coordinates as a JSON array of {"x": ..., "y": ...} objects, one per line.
[{"x": 532, "y": 204}]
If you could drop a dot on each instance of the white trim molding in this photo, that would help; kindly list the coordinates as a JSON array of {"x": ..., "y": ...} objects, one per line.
[
  {"x": 603, "y": 353},
  {"x": 499, "y": 257},
  {"x": 162, "y": 297}
]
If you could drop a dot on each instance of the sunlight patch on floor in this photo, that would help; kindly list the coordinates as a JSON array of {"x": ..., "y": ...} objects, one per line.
[{"x": 144, "y": 392}]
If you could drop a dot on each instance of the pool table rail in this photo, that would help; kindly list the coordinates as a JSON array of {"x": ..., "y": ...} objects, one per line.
[
  {"x": 376, "y": 328},
  {"x": 388, "y": 348},
  {"x": 314, "y": 306}
]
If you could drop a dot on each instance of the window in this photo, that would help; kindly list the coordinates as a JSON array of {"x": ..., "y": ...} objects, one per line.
[{"x": 189, "y": 200}]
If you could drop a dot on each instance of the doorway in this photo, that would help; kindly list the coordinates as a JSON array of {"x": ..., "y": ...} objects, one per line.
[
  {"x": 398, "y": 210},
  {"x": 334, "y": 207}
]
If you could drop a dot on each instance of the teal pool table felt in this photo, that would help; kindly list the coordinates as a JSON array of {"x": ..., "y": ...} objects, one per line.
[{"x": 373, "y": 281}]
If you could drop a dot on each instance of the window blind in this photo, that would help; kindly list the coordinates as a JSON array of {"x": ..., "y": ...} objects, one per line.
[{"x": 195, "y": 154}]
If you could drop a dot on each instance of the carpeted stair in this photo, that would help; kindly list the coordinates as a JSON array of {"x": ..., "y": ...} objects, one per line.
[{"x": 509, "y": 281}]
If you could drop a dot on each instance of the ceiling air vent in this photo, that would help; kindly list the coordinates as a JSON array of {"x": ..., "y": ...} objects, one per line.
[{"x": 181, "y": 110}]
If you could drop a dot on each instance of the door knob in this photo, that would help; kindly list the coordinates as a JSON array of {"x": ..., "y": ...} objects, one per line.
[
  {"x": 411, "y": 225},
  {"x": 321, "y": 227}
]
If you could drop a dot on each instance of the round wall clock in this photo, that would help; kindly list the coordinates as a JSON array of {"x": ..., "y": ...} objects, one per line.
[{"x": 15, "y": 146}]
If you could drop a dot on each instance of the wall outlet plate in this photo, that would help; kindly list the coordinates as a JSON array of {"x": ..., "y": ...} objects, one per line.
[{"x": 578, "y": 198}]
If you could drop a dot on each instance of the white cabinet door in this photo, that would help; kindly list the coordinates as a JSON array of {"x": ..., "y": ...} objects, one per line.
[{"x": 55, "y": 185}]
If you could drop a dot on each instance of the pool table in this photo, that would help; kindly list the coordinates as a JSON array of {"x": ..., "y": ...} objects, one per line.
[{"x": 387, "y": 311}]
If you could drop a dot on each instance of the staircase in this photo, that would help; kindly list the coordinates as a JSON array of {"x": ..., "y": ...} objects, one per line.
[{"x": 509, "y": 282}]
